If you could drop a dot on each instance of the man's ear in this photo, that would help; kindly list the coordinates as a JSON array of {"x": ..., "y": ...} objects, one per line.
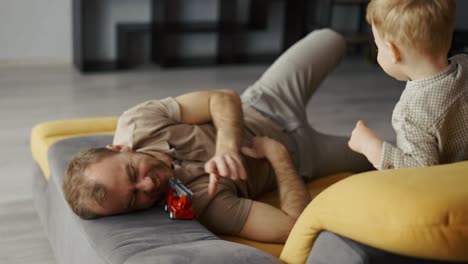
[
  {"x": 119, "y": 148},
  {"x": 394, "y": 51}
]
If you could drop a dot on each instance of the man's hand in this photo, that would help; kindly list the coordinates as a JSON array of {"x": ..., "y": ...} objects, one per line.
[
  {"x": 265, "y": 222},
  {"x": 261, "y": 147},
  {"x": 293, "y": 194},
  {"x": 224, "y": 109},
  {"x": 364, "y": 140},
  {"x": 228, "y": 164}
]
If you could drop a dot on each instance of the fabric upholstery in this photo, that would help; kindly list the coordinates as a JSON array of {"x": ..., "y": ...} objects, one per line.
[
  {"x": 149, "y": 236},
  {"x": 44, "y": 135},
  {"x": 332, "y": 248},
  {"x": 370, "y": 208},
  {"x": 419, "y": 212}
]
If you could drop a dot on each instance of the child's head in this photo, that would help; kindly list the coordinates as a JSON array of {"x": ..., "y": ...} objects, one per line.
[{"x": 425, "y": 25}]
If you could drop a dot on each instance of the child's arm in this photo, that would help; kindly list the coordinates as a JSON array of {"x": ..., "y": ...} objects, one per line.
[
  {"x": 364, "y": 140},
  {"x": 416, "y": 148}
]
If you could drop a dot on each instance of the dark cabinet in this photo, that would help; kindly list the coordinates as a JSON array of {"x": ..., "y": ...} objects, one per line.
[{"x": 162, "y": 27}]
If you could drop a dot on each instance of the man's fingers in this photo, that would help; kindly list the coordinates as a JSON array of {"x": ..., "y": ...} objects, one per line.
[
  {"x": 221, "y": 166},
  {"x": 216, "y": 165},
  {"x": 240, "y": 168},
  {"x": 232, "y": 166},
  {"x": 213, "y": 184},
  {"x": 210, "y": 166},
  {"x": 229, "y": 165},
  {"x": 249, "y": 152}
]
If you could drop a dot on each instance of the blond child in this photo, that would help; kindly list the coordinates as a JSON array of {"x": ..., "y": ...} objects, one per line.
[{"x": 413, "y": 38}]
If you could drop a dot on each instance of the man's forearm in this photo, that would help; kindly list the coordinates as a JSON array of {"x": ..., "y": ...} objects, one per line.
[
  {"x": 293, "y": 194},
  {"x": 227, "y": 115}
]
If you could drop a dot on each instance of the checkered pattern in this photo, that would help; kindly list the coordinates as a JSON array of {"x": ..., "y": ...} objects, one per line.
[{"x": 431, "y": 120}]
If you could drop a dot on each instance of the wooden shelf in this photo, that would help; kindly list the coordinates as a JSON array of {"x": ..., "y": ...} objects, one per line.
[
  {"x": 350, "y": 2},
  {"x": 201, "y": 27},
  {"x": 162, "y": 32},
  {"x": 358, "y": 38}
]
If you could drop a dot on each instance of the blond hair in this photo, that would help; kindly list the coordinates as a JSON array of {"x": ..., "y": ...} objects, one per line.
[
  {"x": 79, "y": 191},
  {"x": 424, "y": 25}
]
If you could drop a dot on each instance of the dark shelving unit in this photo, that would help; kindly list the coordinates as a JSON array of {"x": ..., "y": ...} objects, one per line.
[
  {"x": 459, "y": 42},
  {"x": 165, "y": 26},
  {"x": 324, "y": 10},
  {"x": 82, "y": 59}
]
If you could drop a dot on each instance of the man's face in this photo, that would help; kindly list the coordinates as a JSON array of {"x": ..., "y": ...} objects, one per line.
[{"x": 132, "y": 180}]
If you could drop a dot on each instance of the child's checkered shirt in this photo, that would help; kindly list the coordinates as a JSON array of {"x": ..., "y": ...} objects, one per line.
[{"x": 431, "y": 120}]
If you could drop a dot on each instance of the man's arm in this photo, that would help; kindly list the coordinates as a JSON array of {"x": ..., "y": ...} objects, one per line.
[
  {"x": 224, "y": 109},
  {"x": 265, "y": 222}
]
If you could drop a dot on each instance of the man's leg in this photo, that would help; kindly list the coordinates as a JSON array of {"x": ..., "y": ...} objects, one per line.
[
  {"x": 283, "y": 91},
  {"x": 332, "y": 155}
]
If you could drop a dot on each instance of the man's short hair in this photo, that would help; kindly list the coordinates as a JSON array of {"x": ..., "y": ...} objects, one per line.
[
  {"x": 426, "y": 26},
  {"x": 79, "y": 191}
]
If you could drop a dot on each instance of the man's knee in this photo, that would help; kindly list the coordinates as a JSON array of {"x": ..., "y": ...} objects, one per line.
[{"x": 330, "y": 39}]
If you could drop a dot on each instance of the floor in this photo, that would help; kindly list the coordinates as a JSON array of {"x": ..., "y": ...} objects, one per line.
[{"x": 33, "y": 94}]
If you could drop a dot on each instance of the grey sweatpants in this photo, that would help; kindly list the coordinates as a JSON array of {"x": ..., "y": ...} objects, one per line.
[{"x": 282, "y": 94}]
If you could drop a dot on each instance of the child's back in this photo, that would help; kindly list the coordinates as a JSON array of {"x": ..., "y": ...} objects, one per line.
[
  {"x": 413, "y": 38},
  {"x": 431, "y": 119}
]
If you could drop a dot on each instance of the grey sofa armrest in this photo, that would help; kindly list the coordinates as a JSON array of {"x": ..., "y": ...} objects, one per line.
[
  {"x": 143, "y": 237},
  {"x": 332, "y": 248}
]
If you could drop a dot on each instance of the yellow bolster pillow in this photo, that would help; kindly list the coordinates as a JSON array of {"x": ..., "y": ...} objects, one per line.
[
  {"x": 45, "y": 134},
  {"x": 418, "y": 212}
]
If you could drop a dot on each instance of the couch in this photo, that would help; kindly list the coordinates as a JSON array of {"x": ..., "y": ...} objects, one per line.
[{"x": 374, "y": 217}]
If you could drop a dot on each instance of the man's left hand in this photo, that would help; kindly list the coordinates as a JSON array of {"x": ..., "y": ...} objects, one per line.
[{"x": 228, "y": 164}]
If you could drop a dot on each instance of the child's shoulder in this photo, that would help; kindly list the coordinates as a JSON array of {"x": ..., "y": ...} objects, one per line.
[{"x": 460, "y": 59}]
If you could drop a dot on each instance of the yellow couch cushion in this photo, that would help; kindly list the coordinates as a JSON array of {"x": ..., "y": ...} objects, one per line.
[
  {"x": 45, "y": 134},
  {"x": 419, "y": 212},
  {"x": 314, "y": 187}
]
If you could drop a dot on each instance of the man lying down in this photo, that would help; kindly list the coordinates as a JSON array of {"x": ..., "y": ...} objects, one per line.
[{"x": 227, "y": 149}]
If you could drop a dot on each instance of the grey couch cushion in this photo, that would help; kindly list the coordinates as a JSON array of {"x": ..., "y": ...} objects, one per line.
[
  {"x": 144, "y": 237},
  {"x": 332, "y": 248}
]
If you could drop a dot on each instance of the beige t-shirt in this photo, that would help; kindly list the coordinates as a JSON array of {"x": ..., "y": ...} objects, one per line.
[{"x": 155, "y": 126}]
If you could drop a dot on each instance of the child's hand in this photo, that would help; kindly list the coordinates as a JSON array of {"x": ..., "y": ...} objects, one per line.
[
  {"x": 360, "y": 137},
  {"x": 364, "y": 140}
]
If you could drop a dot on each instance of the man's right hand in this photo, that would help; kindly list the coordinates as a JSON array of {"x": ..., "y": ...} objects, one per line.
[
  {"x": 224, "y": 109},
  {"x": 228, "y": 164}
]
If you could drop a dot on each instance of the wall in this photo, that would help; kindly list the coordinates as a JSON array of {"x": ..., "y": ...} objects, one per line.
[
  {"x": 462, "y": 19},
  {"x": 40, "y": 30}
]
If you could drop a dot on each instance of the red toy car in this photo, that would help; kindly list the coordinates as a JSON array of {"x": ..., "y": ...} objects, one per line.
[{"x": 178, "y": 201}]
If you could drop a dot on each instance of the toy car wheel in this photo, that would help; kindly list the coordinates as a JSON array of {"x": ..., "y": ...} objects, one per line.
[
  {"x": 171, "y": 215},
  {"x": 166, "y": 207}
]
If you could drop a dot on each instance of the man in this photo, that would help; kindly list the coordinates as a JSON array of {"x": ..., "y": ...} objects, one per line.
[{"x": 227, "y": 149}]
